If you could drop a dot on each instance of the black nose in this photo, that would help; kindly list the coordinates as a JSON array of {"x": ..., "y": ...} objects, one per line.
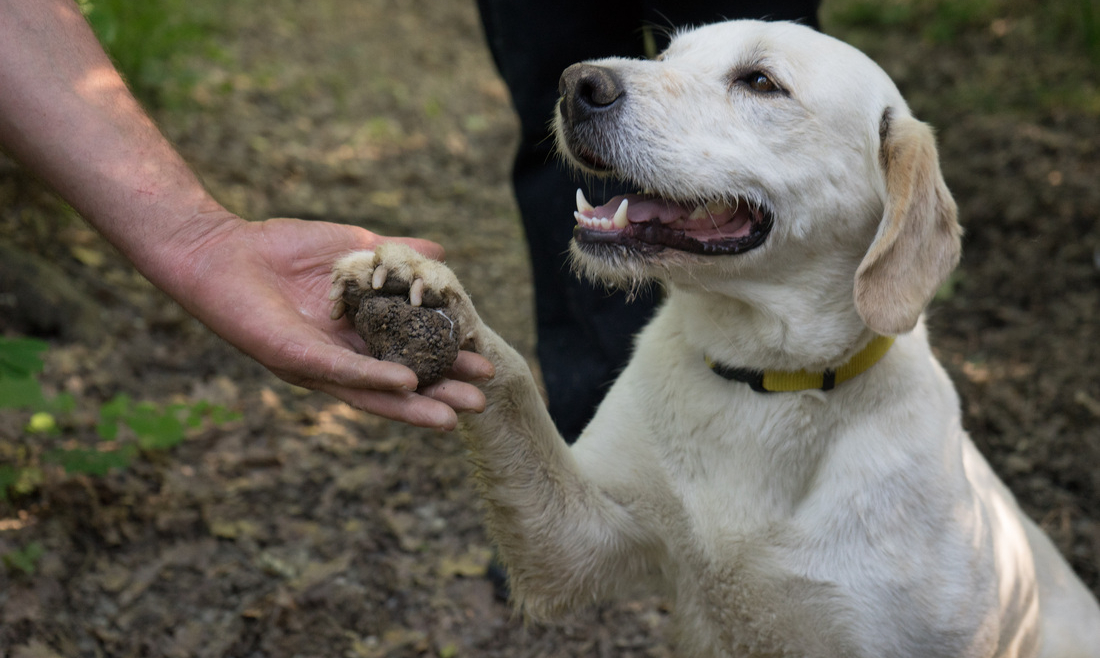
[{"x": 586, "y": 90}]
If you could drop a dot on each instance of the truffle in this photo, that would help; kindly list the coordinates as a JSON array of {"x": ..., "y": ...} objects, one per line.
[{"x": 423, "y": 338}]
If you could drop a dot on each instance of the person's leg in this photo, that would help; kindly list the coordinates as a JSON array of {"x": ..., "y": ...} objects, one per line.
[
  {"x": 668, "y": 15},
  {"x": 584, "y": 332}
]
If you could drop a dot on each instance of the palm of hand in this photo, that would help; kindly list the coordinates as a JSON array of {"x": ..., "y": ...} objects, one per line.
[{"x": 264, "y": 288}]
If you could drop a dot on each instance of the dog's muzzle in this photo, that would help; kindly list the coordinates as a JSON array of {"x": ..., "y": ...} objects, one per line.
[{"x": 593, "y": 101}]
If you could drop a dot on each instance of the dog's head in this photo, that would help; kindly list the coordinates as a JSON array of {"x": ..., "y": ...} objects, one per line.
[{"x": 763, "y": 153}]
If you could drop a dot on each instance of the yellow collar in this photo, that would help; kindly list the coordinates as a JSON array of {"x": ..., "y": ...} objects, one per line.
[{"x": 775, "y": 381}]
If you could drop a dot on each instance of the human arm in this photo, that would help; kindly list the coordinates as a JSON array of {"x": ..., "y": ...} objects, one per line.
[{"x": 67, "y": 115}]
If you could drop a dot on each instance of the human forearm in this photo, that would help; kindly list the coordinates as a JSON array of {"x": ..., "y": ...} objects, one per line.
[{"x": 67, "y": 115}]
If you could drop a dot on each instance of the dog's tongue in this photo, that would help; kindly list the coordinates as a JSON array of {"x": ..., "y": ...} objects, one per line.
[{"x": 701, "y": 222}]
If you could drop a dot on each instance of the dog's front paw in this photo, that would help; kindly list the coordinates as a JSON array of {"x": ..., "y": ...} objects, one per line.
[
  {"x": 392, "y": 269},
  {"x": 407, "y": 308}
]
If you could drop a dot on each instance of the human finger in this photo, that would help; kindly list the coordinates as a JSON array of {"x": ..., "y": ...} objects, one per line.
[
  {"x": 471, "y": 367},
  {"x": 343, "y": 367},
  {"x": 403, "y": 406},
  {"x": 460, "y": 396}
]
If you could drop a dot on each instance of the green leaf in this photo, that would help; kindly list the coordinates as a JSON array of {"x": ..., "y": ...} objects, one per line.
[
  {"x": 19, "y": 357},
  {"x": 20, "y": 393},
  {"x": 107, "y": 430},
  {"x": 197, "y": 412},
  {"x": 19, "y": 479},
  {"x": 116, "y": 407},
  {"x": 90, "y": 462},
  {"x": 109, "y": 415},
  {"x": 154, "y": 429},
  {"x": 61, "y": 404},
  {"x": 220, "y": 415},
  {"x": 25, "y": 559},
  {"x": 9, "y": 475}
]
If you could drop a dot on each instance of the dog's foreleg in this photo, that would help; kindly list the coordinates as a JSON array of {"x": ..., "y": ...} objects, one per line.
[{"x": 564, "y": 539}]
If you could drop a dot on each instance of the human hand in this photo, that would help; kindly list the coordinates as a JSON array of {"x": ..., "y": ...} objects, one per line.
[{"x": 263, "y": 286}]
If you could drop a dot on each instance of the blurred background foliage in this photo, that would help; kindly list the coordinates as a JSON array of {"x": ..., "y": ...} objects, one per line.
[
  {"x": 1013, "y": 56},
  {"x": 1060, "y": 23},
  {"x": 150, "y": 42}
]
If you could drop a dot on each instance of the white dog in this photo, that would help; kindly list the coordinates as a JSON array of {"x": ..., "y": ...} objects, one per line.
[{"x": 793, "y": 476}]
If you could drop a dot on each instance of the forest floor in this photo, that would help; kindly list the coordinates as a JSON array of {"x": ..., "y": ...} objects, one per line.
[{"x": 306, "y": 528}]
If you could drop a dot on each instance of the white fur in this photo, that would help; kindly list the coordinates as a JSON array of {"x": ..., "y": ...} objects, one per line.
[{"x": 860, "y": 521}]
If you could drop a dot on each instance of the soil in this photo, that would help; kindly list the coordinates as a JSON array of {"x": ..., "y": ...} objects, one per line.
[{"x": 306, "y": 528}]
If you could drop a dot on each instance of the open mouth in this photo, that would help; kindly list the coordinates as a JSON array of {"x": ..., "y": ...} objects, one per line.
[{"x": 649, "y": 222}]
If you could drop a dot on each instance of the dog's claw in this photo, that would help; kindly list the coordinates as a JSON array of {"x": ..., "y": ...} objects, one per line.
[
  {"x": 394, "y": 270},
  {"x": 379, "y": 278},
  {"x": 338, "y": 309}
]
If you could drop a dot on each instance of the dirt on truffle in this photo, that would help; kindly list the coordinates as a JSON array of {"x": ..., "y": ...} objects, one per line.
[
  {"x": 422, "y": 338},
  {"x": 306, "y": 528}
]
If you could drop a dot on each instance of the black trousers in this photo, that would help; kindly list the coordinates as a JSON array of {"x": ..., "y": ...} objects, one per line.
[{"x": 585, "y": 334}]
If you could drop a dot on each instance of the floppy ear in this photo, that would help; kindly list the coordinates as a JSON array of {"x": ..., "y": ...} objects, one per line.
[{"x": 919, "y": 238}]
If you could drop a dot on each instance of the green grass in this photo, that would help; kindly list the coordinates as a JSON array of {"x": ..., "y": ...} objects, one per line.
[
  {"x": 936, "y": 20},
  {"x": 150, "y": 42},
  {"x": 1062, "y": 24},
  {"x": 1015, "y": 56}
]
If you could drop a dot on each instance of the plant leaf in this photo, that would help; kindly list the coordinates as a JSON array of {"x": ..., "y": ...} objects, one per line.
[
  {"x": 20, "y": 393},
  {"x": 90, "y": 462},
  {"x": 154, "y": 429},
  {"x": 19, "y": 357},
  {"x": 25, "y": 559}
]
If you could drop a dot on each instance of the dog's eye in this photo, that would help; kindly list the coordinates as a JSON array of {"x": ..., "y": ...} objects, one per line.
[{"x": 759, "y": 81}]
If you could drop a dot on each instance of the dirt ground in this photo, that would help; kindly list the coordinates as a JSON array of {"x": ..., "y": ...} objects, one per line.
[{"x": 309, "y": 529}]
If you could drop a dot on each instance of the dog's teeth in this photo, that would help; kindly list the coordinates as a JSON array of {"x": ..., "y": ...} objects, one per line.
[
  {"x": 620, "y": 220},
  {"x": 715, "y": 207},
  {"x": 587, "y": 222},
  {"x": 605, "y": 223},
  {"x": 582, "y": 203},
  {"x": 697, "y": 214}
]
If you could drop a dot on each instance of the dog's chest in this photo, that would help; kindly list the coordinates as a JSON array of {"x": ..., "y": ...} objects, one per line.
[
  {"x": 740, "y": 465},
  {"x": 741, "y": 461}
]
